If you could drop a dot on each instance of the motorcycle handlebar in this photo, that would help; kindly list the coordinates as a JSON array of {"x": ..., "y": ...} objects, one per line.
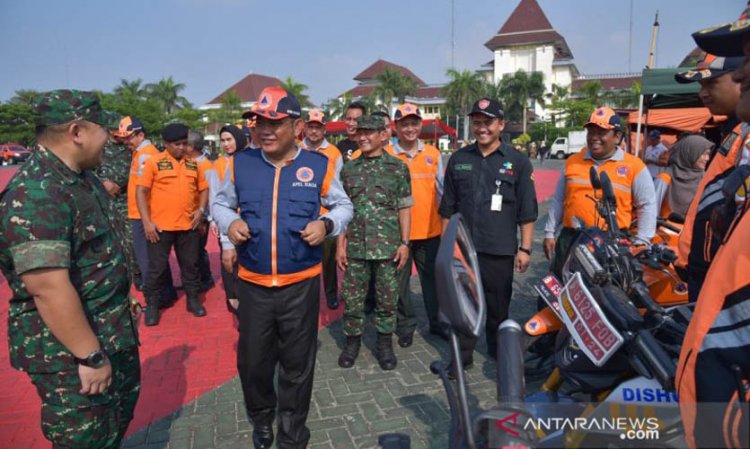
[
  {"x": 510, "y": 375},
  {"x": 657, "y": 360}
]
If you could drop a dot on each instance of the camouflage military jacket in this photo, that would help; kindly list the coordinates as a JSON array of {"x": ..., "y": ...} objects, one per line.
[
  {"x": 115, "y": 165},
  {"x": 53, "y": 217},
  {"x": 378, "y": 188}
]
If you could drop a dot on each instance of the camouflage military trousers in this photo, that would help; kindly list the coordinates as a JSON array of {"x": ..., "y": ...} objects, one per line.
[
  {"x": 354, "y": 290},
  {"x": 73, "y": 420},
  {"x": 122, "y": 227}
]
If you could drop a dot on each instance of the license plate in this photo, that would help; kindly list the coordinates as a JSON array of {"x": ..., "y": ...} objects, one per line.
[
  {"x": 549, "y": 290},
  {"x": 586, "y": 322}
]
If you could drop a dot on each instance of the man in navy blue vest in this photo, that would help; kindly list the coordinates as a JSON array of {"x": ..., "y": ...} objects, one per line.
[{"x": 278, "y": 190}]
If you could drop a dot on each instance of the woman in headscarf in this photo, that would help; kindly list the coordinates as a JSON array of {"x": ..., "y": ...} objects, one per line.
[
  {"x": 231, "y": 140},
  {"x": 675, "y": 188}
]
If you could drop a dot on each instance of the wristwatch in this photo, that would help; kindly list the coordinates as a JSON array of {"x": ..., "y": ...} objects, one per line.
[
  {"x": 525, "y": 250},
  {"x": 329, "y": 224},
  {"x": 96, "y": 359},
  {"x": 405, "y": 242}
]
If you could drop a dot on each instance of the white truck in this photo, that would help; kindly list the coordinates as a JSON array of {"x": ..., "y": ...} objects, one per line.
[{"x": 563, "y": 147}]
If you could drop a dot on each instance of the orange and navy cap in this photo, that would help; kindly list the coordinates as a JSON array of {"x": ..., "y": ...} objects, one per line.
[
  {"x": 128, "y": 126},
  {"x": 606, "y": 118},
  {"x": 406, "y": 110},
  {"x": 316, "y": 115},
  {"x": 275, "y": 103},
  {"x": 725, "y": 39},
  {"x": 711, "y": 66}
]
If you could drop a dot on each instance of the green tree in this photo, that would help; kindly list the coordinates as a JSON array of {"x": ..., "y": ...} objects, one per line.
[
  {"x": 130, "y": 88},
  {"x": 17, "y": 123},
  {"x": 463, "y": 89},
  {"x": 24, "y": 96},
  {"x": 166, "y": 93},
  {"x": 297, "y": 89},
  {"x": 230, "y": 110},
  {"x": 393, "y": 84},
  {"x": 336, "y": 108},
  {"x": 591, "y": 91},
  {"x": 190, "y": 117},
  {"x": 518, "y": 90},
  {"x": 147, "y": 110}
]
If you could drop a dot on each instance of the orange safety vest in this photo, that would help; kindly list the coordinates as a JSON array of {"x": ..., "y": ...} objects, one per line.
[
  {"x": 665, "y": 209},
  {"x": 722, "y": 161},
  {"x": 423, "y": 168},
  {"x": 136, "y": 166},
  {"x": 622, "y": 173},
  {"x": 717, "y": 339},
  {"x": 332, "y": 152}
]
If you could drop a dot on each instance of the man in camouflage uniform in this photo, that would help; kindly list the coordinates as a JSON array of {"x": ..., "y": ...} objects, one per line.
[
  {"x": 114, "y": 172},
  {"x": 69, "y": 321},
  {"x": 377, "y": 240}
]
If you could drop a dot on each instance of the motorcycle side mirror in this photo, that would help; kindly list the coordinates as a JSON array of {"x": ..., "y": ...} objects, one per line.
[
  {"x": 459, "y": 285},
  {"x": 594, "y": 177},
  {"x": 607, "y": 190}
]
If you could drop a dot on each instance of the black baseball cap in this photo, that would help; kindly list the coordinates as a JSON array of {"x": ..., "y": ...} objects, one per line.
[
  {"x": 711, "y": 66},
  {"x": 725, "y": 39},
  {"x": 489, "y": 107}
]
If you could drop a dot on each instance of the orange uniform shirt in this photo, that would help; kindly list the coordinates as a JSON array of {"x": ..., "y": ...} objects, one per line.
[
  {"x": 140, "y": 156},
  {"x": 175, "y": 186},
  {"x": 333, "y": 154},
  {"x": 426, "y": 170}
]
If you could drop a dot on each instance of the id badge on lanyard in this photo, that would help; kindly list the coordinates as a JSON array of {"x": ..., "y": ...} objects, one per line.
[{"x": 496, "y": 205}]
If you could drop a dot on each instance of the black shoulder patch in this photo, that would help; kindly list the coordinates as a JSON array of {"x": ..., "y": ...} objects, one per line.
[{"x": 727, "y": 144}]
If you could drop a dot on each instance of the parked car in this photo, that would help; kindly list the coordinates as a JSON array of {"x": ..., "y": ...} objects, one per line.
[{"x": 13, "y": 153}]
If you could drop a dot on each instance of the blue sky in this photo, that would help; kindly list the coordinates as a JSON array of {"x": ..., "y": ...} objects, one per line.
[{"x": 211, "y": 44}]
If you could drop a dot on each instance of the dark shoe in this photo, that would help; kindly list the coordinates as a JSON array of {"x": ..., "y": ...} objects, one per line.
[
  {"x": 384, "y": 352},
  {"x": 195, "y": 307},
  {"x": 406, "y": 340},
  {"x": 441, "y": 331},
  {"x": 467, "y": 365},
  {"x": 151, "y": 316},
  {"x": 350, "y": 352},
  {"x": 168, "y": 298},
  {"x": 262, "y": 437},
  {"x": 333, "y": 302}
]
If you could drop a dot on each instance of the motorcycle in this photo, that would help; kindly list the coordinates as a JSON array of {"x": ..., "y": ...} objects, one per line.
[
  {"x": 616, "y": 353},
  {"x": 655, "y": 269}
]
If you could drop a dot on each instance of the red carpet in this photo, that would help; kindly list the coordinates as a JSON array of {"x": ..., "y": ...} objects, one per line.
[{"x": 182, "y": 358}]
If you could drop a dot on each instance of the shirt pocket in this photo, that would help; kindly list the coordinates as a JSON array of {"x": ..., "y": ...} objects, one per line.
[
  {"x": 384, "y": 195},
  {"x": 250, "y": 210},
  {"x": 304, "y": 207},
  {"x": 507, "y": 187}
]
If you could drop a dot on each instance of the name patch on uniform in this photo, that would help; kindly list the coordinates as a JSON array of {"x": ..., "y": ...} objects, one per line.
[
  {"x": 164, "y": 165},
  {"x": 464, "y": 167},
  {"x": 305, "y": 174},
  {"x": 191, "y": 165}
]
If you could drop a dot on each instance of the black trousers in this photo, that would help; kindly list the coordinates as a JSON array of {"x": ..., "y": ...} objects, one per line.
[
  {"x": 204, "y": 263},
  {"x": 497, "y": 282},
  {"x": 229, "y": 280},
  {"x": 330, "y": 277},
  {"x": 423, "y": 254},
  {"x": 279, "y": 325},
  {"x": 187, "y": 247}
]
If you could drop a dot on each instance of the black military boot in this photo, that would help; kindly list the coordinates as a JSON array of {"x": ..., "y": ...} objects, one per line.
[
  {"x": 151, "y": 315},
  {"x": 384, "y": 352},
  {"x": 350, "y": 352},
  {"x": 195, "y": 307}
]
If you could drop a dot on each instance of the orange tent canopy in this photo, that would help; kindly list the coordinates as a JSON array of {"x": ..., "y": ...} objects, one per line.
[{"x": 690, "y": 120}]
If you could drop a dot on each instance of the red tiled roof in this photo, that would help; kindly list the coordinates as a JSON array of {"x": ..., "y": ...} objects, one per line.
[
  {"x": 622, "y": 83},
  {"x": 379, "y": 67},
  {"x": 422, "y": 92},
  {"x": 249, "y": 87},
  {"x": 528, "y": 16}
]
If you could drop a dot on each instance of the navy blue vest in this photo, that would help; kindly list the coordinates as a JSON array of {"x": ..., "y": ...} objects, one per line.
[{"x": 296, "y": 195}]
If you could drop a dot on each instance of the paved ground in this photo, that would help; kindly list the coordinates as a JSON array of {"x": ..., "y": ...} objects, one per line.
[{"x": 349, "y": 409}]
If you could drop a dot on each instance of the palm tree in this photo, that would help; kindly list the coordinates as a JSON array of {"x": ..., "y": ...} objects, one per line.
[
  {"x": 591, "y": 91},
  {"x": 130, "y": 88},
  {"x": 394, "y": 84},
  {"x": 518, "y": 89},
  {"x": 297, "y": 89},
  {"x": 24, "y": 97},
  {"x": 167, "y": 93},
  {"x": 462, "y": 90},
  {"x": 335, "y": 109}
]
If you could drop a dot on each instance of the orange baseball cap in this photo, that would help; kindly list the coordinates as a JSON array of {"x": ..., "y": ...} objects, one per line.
[
  {"x": 406, "y": 110},
  {"x": 275, "y": 103},
  {"x": 606, "y": 118},
  {"x": 128, "y": 126},
  {"x": 316, "y": 115}
]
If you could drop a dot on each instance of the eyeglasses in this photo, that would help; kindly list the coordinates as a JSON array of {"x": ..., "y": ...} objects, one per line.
[{"x": 271, "y": 125}]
